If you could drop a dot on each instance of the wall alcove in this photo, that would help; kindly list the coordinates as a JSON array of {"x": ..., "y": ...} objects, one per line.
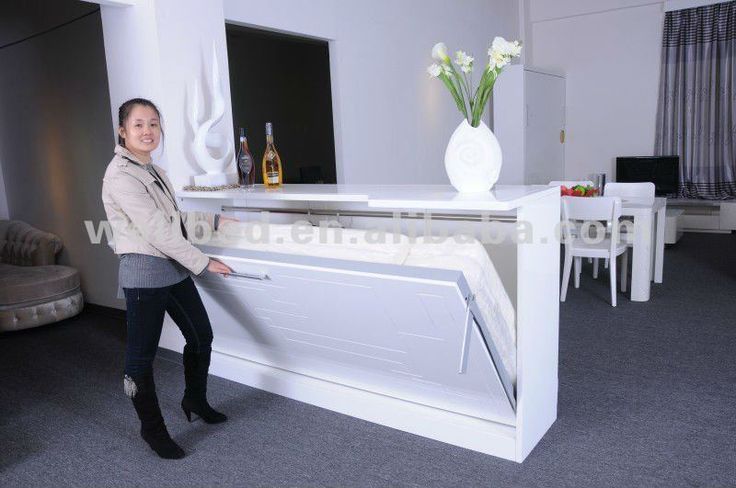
[{"x": 284, "y": 79}]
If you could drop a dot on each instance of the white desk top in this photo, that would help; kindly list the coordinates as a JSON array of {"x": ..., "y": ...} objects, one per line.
[
  {"x": 634, "y": 207},
  {"x": 428, "y": 197}
]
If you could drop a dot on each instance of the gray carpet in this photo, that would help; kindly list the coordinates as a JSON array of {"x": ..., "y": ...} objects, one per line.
[{"x": 647, "y": 398}]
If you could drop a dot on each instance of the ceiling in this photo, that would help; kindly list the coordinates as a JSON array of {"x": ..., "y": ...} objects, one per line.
[{"x": 22, "y": 18}]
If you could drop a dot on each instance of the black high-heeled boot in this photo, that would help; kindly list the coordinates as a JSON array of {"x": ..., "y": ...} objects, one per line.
[
  {"x": 153, "y": 429},
  {"x": 196, "y": 366}
]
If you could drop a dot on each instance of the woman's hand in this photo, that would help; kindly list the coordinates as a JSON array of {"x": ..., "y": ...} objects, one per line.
[{"x": 216, "y": 266}]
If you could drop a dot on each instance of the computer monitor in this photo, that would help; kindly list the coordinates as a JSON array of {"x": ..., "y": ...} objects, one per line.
[{"x": 663, "y": 171}]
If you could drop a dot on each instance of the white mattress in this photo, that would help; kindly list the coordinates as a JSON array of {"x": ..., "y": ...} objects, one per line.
[
  {"x": 306, "y": 240},
  {"x": 462, "y": 253}
]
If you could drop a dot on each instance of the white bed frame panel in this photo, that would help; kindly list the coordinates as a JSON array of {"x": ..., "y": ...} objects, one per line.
[{"x": 397, "y": 362}]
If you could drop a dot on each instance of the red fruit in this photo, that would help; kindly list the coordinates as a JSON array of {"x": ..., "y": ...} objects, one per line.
[{"x": 578, "y": 193}]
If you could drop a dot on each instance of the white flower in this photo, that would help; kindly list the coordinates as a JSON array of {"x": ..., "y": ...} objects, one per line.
[
  {"x": 516, "y": 49},
  {"x": 501, "y": 45},
  {"x": 464, "y": 61},
  {"x": 505, "y": 48},
  {"x": 434, "y": 70},
  {"x": 446, "y": 69},
  {"x": 498, "y": 44},
  {"x": 439, "y": 53},
  {"x": 499, "y": 59}
]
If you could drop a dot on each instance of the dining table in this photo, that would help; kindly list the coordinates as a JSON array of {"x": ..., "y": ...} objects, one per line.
[
  {"x": 647, "y": 241},
  {"x": 647, "y": 262}
]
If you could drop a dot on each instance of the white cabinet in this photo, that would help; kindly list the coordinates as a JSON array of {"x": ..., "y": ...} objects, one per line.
[
  {"x": 390, "y": 342},
  {"x": 529, "y": 122},
  {"x": 727, "y": 216},
  {"x": 705, "y": 215}
]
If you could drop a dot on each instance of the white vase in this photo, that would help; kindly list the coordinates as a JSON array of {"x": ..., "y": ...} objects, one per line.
[{"x": 473, "y": 158}]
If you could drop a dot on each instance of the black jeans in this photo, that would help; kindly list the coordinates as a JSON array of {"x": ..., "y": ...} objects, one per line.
[{"x": 146, "y": 308}]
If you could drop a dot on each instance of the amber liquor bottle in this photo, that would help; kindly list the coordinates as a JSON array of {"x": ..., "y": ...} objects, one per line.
[{"x": 273, "y": 173}]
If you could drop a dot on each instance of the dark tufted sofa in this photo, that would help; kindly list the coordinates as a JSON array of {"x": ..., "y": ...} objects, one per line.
[{"x": 33, "y": 289}]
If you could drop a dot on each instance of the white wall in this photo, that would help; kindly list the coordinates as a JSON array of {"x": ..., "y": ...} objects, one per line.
[
  {"x": 392, "y": 122},
  {"x": 55, "y": 137},
  {"x": 610, "y": 52},
  {"x": 682, "y": 4},
  {"x": 155, "y": 49}
]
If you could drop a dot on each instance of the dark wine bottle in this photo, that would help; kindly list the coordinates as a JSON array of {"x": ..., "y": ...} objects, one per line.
[{"x": 246, "y": 167}]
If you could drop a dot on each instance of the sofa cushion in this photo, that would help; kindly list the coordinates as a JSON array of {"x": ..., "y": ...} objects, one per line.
[
  {"x": 24, "y": 284},
  {"x": 25, "y": 245}
]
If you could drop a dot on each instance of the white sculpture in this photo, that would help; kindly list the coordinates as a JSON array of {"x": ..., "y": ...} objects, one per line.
[{"x": 204, "y": 140}]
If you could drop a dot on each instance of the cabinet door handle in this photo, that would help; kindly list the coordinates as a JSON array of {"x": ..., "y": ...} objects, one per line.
[
  {"x": 562, "y": 136},
  {"x": 257, "y": 275}
]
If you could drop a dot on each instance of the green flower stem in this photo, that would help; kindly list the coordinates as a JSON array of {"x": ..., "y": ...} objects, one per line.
[
  {"x": 482, "y": 85},
  {"x": 457, "y": 83},
  {"x": 478, "y": 99},
  {"x": 460, "y": 84},
  {"x": 482, "y": 94},
  {"x": 467, "y": 90},
  {"x": 453, "y": 91}
]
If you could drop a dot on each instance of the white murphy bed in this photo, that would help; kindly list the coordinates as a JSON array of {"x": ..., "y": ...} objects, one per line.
[{"x": 390, "y": 338}]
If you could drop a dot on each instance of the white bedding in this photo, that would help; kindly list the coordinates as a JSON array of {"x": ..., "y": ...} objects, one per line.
[
  {"x": 463, "y": 253},
  {"x": 306, "y": 240}
]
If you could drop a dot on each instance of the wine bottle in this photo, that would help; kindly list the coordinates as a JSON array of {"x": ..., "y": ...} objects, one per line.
[
  {"x": 246, "y": 166},
  {"x": 272, "y": 171}
]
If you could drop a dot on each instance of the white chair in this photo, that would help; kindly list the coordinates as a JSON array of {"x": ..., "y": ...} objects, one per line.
[
  {"x": 592, "y": 211},
  {"x": 630, "y": 191},
  {"x": 570, "y": 184},
  {"x": 643, "y": 192}
]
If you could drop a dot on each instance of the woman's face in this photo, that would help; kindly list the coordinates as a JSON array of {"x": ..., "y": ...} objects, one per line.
[{"x": 142, "y": 131}]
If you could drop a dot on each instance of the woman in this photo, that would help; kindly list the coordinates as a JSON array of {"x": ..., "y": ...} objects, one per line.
[{"x": 156, "y": 261}]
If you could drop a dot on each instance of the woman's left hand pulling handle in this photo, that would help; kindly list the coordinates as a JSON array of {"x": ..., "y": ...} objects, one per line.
[{"x": 219, "y": 267}]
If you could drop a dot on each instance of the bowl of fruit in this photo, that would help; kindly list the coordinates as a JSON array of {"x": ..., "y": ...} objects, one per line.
[{"x": 579, "y": 191}]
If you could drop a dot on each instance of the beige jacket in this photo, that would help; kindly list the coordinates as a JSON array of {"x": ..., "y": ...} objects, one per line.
[{"x": 144, "y": 218}]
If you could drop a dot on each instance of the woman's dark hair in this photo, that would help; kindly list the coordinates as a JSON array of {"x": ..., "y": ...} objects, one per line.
[{"x": 124, "y": 113}]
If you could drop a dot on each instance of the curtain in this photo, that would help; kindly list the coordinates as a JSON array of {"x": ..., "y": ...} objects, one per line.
[{"x": 697, "y": 105}]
